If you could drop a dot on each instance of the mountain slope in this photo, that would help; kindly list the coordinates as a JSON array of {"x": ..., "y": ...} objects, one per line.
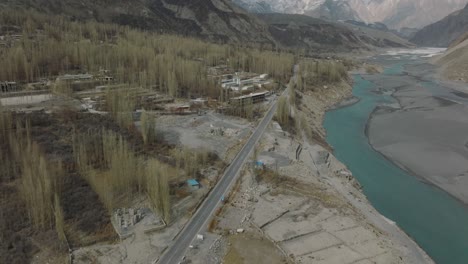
[
  {"x": 443, "y": 32},
  {"x": 454, "y": 63},
  {"x": 334, "y": 10},
  {"x": 255, "y": 7},
  {"x": 394, "y": 13},
  {"x": 280, "y": 6},
  {"x": 397, "y": 14},
  {"x": 217, "y": 20},
  {"x": 312, "y": 34},
  {"x": 304, "y": 32},
  {"x": 378, "y": 34}
]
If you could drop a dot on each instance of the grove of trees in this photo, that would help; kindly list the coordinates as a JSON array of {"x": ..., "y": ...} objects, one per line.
[{"x": 52, "y": 45}]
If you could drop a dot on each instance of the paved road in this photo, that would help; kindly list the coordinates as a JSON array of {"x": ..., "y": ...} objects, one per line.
[{"x": 176, "y": 251}]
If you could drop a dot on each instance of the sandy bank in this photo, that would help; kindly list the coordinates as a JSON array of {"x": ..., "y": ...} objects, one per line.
[{"x": 425, "y": 134}]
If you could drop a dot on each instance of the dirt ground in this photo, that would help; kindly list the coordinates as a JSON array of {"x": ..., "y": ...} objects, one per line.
[
  {"x": 193, "y": 132},
  {"x": 299, "y": 216},
  {"x": 212, "y": 131},
  {"x": 248, "y": 249},
  {"x": 307, "y": 209}
]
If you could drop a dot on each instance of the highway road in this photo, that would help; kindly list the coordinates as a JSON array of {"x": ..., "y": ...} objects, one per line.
[{"x": 176, "y": 251}]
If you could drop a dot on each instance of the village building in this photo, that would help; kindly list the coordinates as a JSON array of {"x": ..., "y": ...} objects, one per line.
[
  {"x": 75, "y": 77},
  {"x": 244, "y": 82},
  {"x": 252, "y": 98},
  {"x": 176, "y": 108}
]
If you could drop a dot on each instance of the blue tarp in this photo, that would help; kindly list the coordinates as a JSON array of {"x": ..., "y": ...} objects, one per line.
[{"x": 193, "y": 182}]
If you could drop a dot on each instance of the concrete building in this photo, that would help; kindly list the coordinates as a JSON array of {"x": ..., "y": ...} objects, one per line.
[
  {"x": 75, "y": 77},
  {"x": 252, "y": 98},
  {"x": 243, "y": 82}
]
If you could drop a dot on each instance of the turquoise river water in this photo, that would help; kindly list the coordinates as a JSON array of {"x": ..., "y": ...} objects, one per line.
[{"x": 434, "y": 219}]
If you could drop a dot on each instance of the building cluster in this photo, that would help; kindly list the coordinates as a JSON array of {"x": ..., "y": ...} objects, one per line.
[
  {"x": 102, "y": 76},
  {"x": 241, "y": 88},
  {"x": 241, "y": 82}
]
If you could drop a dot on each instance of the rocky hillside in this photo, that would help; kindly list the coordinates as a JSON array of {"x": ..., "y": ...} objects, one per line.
[
  {"x": 334, "y": 10},
  {"x": 216, "y": 20},
  {"x": 255, "y": 7},
  {"x": 304, "y": 32},
  {"x": 458, "y": 41},
  {"x": 454, "y": 63},
  {"x": 378, "y": 34},
  {"x": 280, "y": 6},
  {"x": 396, "y": 14},
  {"x": 443, "y": 32}
]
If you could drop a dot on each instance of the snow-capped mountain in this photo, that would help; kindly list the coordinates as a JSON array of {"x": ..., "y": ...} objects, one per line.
[{"x": 394, "y": 13}]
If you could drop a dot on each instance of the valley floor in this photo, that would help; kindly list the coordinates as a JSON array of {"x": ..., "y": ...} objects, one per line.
[
  {"x": 295, "y": 207},
  {"x": 305, "y": 210}
]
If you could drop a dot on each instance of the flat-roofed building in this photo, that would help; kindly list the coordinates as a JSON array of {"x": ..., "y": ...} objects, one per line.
[
  {"x": 75, "y": 77},
  {"x": 252, "y": 98}
]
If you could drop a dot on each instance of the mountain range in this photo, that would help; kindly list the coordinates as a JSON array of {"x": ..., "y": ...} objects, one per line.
[
  {"x": 318, "y": 36},
  {"x": 443, "y": 32},
  {"x": 396, "y": 14},
  {"x": 454, "y": 62},
  {"x": 215, "y": 20}
]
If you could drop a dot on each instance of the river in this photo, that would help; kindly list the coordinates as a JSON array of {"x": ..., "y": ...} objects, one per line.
[{"x": 437, "y": 221}]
